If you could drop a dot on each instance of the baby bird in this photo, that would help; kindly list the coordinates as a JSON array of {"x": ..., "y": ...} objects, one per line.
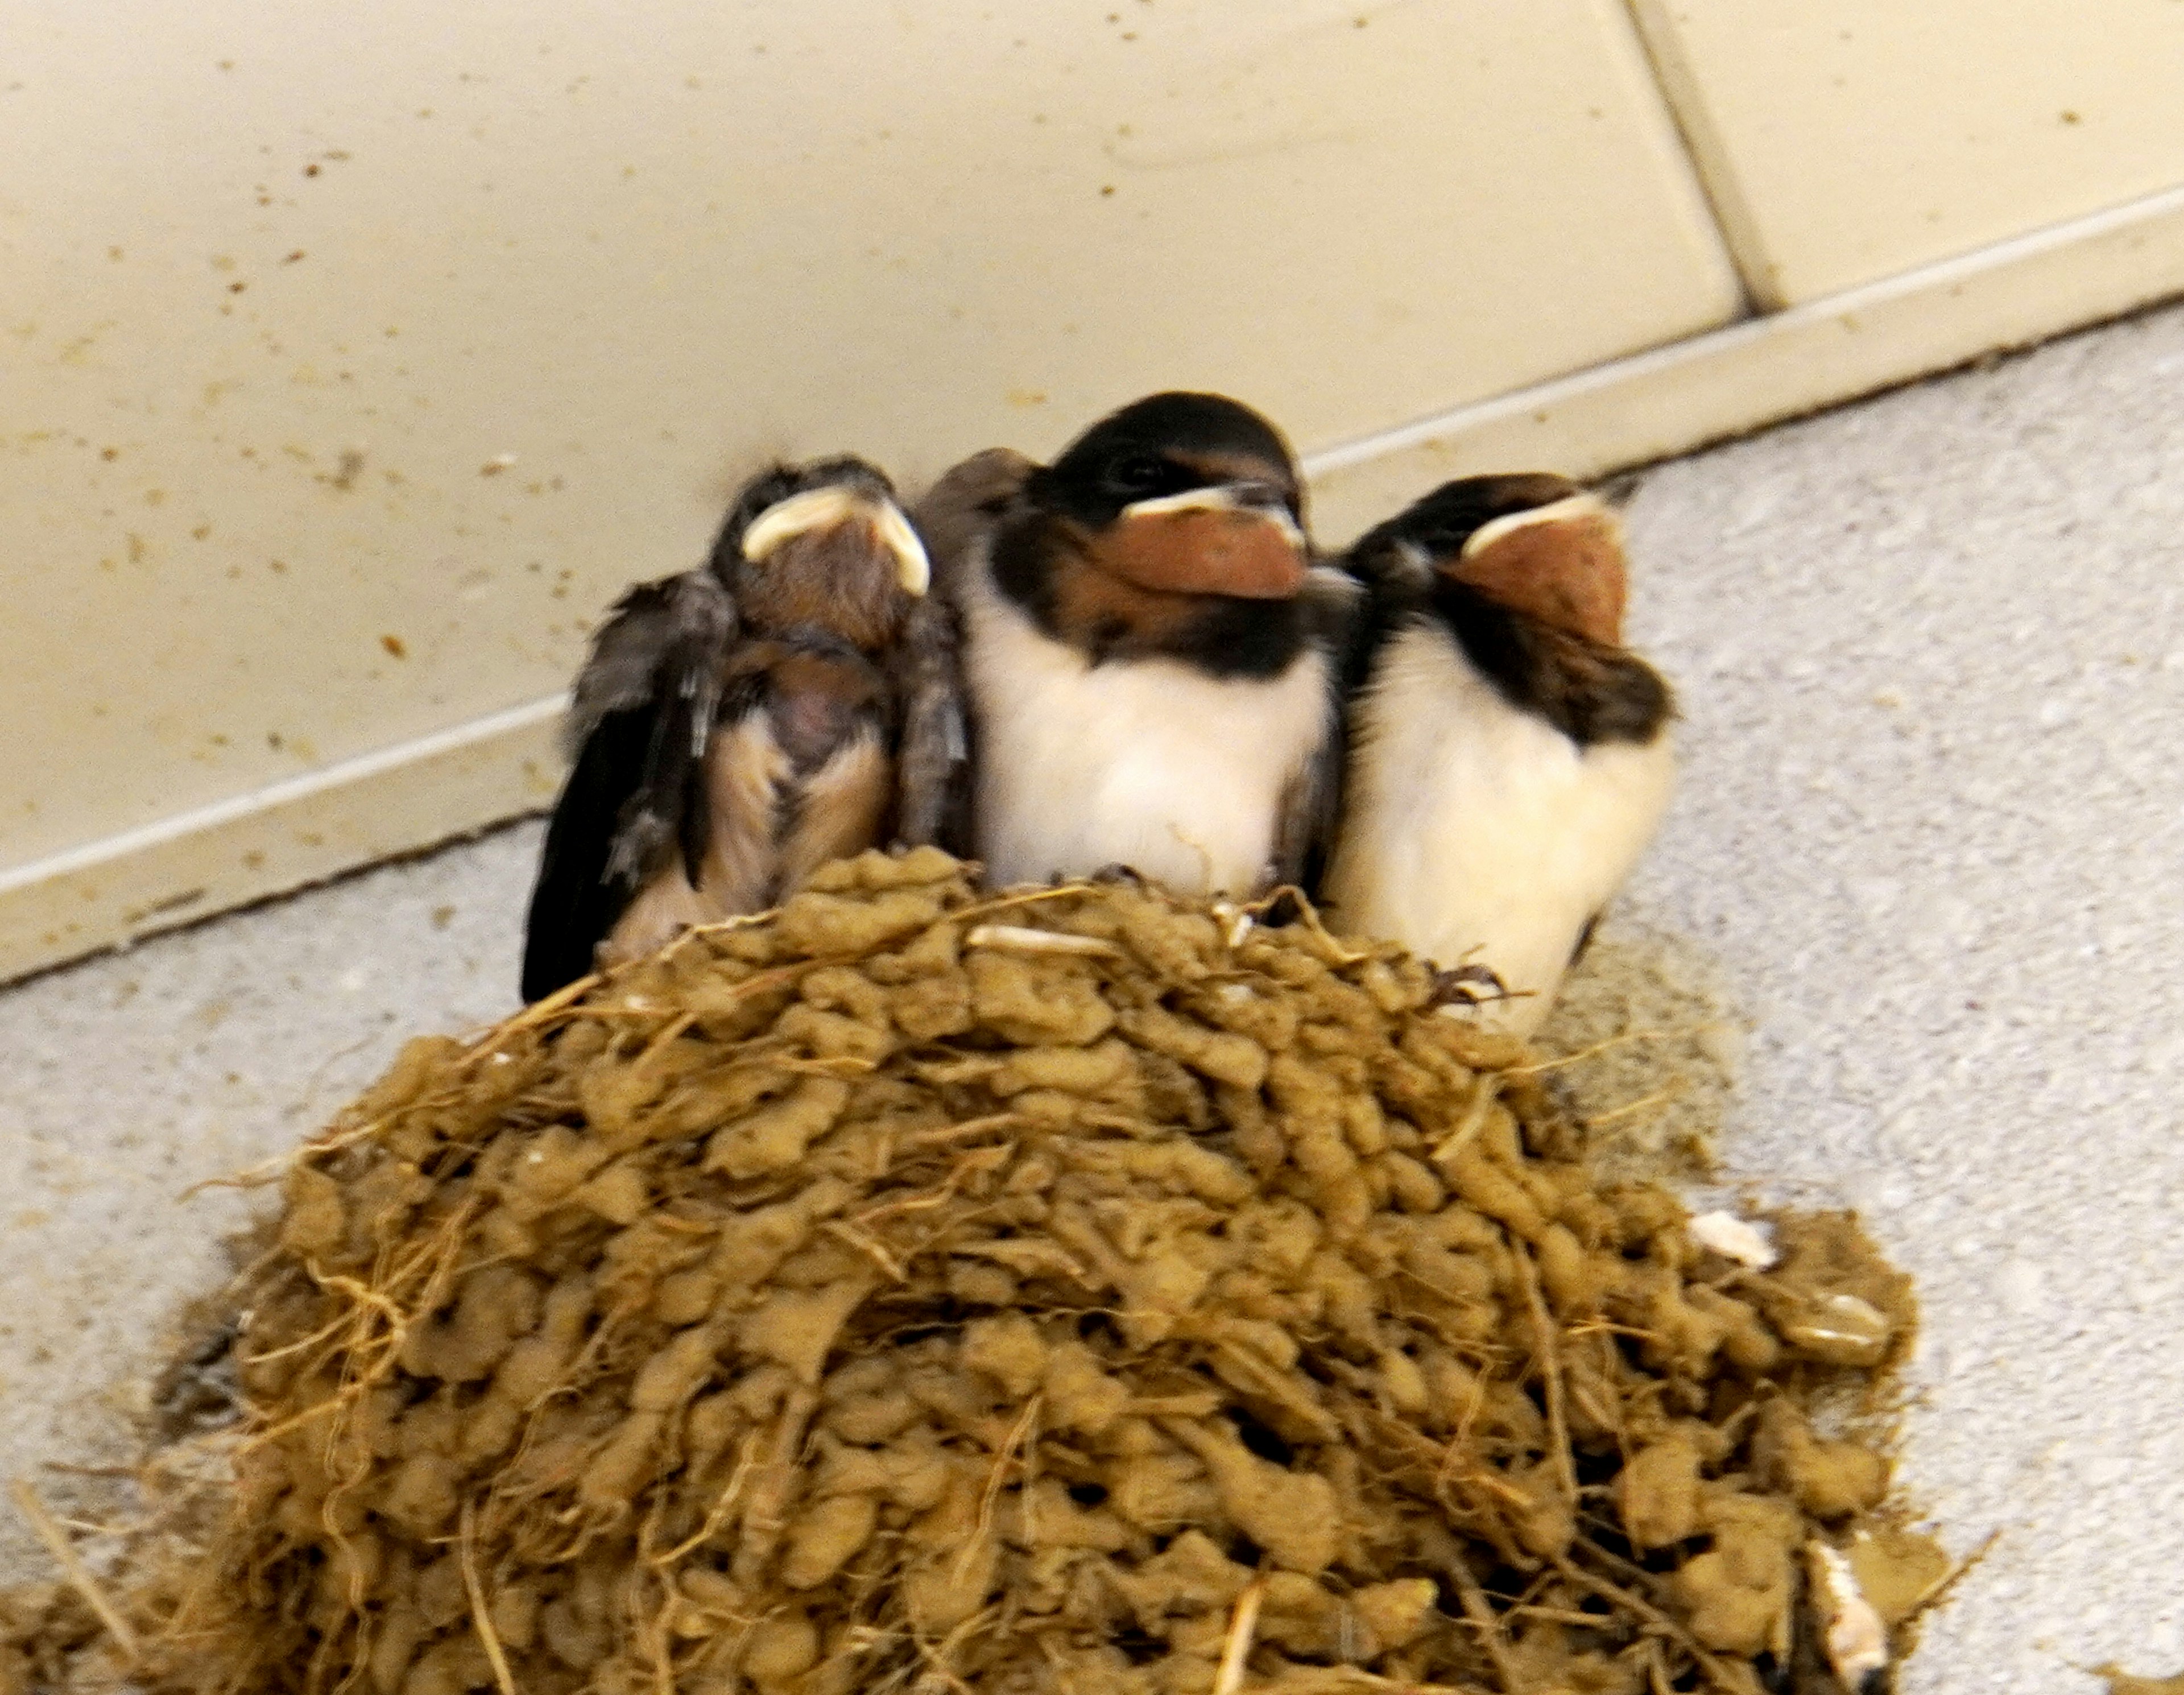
[
  {"x": 1150, "y": 655},
  {"x": 736, "y": 727},
  {"x": 1509, "y": 758}
]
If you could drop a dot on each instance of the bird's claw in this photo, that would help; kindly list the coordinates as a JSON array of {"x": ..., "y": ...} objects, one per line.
[{"x": 1466, "y": 987}]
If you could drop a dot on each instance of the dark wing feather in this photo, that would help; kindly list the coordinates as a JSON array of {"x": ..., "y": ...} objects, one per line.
[
  {"x": 1304, "y": 834},
  {"x": 574, "y": 904},
  {"x": 1360, "y": 600},
  {"x": 1396, "y": 584},
  {"x": 643, "y": 711},
  {"x": 956, "y": 518},
  {"x": 958, "y": 513},
  {"x": 1589, "y": 691},
  {"x": 932, "y": 765}
]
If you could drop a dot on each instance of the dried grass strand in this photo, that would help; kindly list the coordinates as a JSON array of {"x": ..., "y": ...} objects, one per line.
[
  {"x": 47, "y": 1530},
  {"x": 1551, "y": 1370},
  {"x": 1236, "y": 1647},
  {"x": 480, "y": 1613}
]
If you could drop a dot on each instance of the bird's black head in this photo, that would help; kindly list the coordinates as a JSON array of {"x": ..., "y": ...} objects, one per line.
[
  {"x": 1183, "y": 493},
  {"x": 1536, "y": 544},
  {"x": 1168, "y": 445},
  {"x": 824, "y": 545},
  {"x": 1433, "y": 531}
]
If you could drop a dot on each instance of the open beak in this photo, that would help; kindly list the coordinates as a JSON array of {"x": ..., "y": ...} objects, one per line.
[{"x": 831, "y": 508}]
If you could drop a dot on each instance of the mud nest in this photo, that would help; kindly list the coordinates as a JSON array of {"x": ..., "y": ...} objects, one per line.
[{"x": 1080, "y": 1291}]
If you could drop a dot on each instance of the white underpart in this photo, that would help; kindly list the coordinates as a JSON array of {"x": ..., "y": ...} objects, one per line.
[
  {"x": 1476, "y": 834},
  {"x": 1147, "y": 763}
]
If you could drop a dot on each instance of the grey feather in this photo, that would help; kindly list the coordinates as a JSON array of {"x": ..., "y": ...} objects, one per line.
[
  {"x": 956, "y": 518},
  {"x": 1303, "y": 833},
  {"x": 661, "y": 651},
  {"x": 648, "y": 624},
  {"x": 959, "y": 512},
  {"x": 931, "y": 766}
]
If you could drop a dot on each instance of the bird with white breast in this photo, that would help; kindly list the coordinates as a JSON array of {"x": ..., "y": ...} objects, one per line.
[{"x": 1509, "y": 758}]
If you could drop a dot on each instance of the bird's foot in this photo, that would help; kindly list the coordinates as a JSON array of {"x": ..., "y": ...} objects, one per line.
[{"x": 1466, "y": 987}]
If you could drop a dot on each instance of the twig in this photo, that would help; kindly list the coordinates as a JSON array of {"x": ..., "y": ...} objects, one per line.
[
  {"x": 1459, "y": 1440},
  {"x": 832, "y": 1065},
  {"x": 539, "y": 1011},
  {"x": 1312, "y": 1680},
  {"x": 1550, "y": 1371},
  {"x": 762, "y": 1517},
  {"x": 312, "y": 1084},
  {"x": 1023, "y": 1432},
  {"x": 1024, "y": 938},
  {"x": 1931, "y": 1595},
  {"x": 723, "y": 1504},
  {"x": 1483, "y": 1096},
  {"x": 941, "y": 1668},
  {"x": 254, "y": 1176},
  {"x": 1242, "y": 1623},
  {"x": 667, "y": 1032},
  {"x": 48, "y": 1531},
  {"x": 1668, "y": 1092},
  {"x": 1565, "y": 1615},
  {"x": 1308, "y": 915},
  {"x": 91, "y": 1527},
  {"x": 1480, "y": 1611},
  {"x": 956, "y": 1638},
  {"x": 1616, "y": 1595},
  {"x": 968, "y": 1127},
  {"x": 274, "y": 1169},
  {"x": 865, "y": 1245},
  {"x": 466, "y": 1551},
  {"x": 1028, "y": 897},
  {"x": 1561, "y": 1060}
]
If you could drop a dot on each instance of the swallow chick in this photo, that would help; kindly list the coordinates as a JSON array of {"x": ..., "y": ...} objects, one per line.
[
  {"x": 789, "y": 702},
  {"x": 1150, "y": 658},
  {"x": 1508, "y": 758}
]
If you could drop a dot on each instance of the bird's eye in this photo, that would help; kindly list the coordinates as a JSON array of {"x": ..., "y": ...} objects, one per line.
[{"x": 1139, "y": 475}]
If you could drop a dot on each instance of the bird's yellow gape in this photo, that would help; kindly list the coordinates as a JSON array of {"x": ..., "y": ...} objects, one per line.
[{"x": 831, "y": 508}]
